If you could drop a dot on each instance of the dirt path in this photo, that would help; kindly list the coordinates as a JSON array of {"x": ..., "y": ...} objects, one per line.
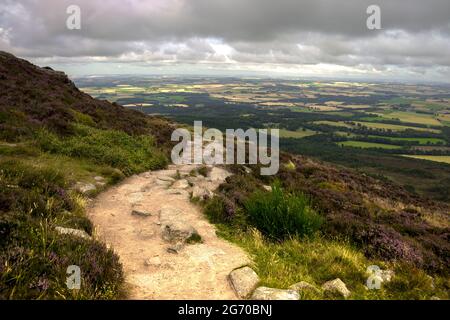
[{"x": 132, "y": 217}]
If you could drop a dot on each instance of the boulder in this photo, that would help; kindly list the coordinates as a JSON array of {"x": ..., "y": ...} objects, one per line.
[
  {"x": 177, "y": 232},
  {"x": 243, "y": 281},
  {"x": 73, "y": 232},
  {"x": 336, "y": 286},
  {"x": 85, "y": 188},
  {"x": 174, "y": 228},
  {"x": 265, "y": 293}
]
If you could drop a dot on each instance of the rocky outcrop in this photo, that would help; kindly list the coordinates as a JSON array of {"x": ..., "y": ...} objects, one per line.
[
  {"x": 336, "y": 287},
  {"x": 85, "y": 188},
  {"x": 244, "y": 281},
  {"x": 174, "y": 227}
]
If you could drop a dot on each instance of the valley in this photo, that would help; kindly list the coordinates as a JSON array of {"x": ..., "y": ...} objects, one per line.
[{"x": 368, "y": 126}]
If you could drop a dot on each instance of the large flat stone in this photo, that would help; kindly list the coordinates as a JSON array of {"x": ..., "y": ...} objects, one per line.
[
  {"x": 244, "y": 281},
  {"x": 265, "y": 293}
]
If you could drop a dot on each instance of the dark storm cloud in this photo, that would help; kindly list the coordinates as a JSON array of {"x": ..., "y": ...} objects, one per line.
[{"x": 415, "y": 33}]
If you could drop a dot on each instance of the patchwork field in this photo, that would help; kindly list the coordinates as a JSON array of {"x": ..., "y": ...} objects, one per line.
[
  {"x": 359, "y": 124},
  {"x": 443, "y": 159},
  {"x": 362, "y": 144},
  {"x": 394, "y": 127},
  {"x": 412, "y": 117},
  {"x": 301, "y": 133}
]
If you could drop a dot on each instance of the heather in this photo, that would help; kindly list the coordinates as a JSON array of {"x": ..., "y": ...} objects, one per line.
[
  {"x": 370, "y": 220},
  {"x": 53, "y": 137},
  {"x": 34, "y": 257}
]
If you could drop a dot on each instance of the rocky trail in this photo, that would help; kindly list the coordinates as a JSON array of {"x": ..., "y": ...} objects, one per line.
[{"x": 167, "y": 247}]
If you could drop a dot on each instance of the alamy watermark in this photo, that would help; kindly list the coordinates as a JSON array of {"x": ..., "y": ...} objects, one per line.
[
  {"x": 375, "y": 279},
  {"x": 73, "y": 281},
  {"x": 208, "y": 147},
  {"x": 373, "y": 22},
  {"x": 73, "y": 21}
]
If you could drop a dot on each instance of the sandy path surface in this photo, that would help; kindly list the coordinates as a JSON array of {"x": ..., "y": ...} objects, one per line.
[{"x": 152, "y": 270}]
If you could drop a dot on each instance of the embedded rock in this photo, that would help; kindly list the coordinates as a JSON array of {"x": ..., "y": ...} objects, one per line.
[
  {"x": 140, "y": 211},
  {"x": 73, "y": 232},
  {"x": 174, "y": 228},
  {"x": 243, "y": 281},
  {"x": 336, "y": 286},
  {"x": 265, "y": 293},
  {"x": 85, "y": 188}
]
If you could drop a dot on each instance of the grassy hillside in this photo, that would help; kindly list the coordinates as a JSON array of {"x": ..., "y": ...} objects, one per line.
[
  {"x": 334, "y": 223},
  {"x": 318, "y": 223},
  {"x": 52, "y": 138}
]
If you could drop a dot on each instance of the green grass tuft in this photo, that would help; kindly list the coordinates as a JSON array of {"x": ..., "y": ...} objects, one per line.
[
  {"x": 130, "y": 154},
  {"x": 279, "y": 215}
]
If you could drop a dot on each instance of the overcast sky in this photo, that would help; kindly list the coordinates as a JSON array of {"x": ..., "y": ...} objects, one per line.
[{"x": 263, "y": 37}]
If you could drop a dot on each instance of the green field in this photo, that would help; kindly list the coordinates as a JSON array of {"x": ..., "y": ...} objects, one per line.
[
  {"x": 334, "y": 124},
  {"x": 366, "y": 145},
  {"x": 296, "y": 134},
  {"x": 417, "y": 141},
  {"x": 412, "y": 117},
  {"x": 394, "y": 127},
  {"x": 443, "y": 159},
  {"x": 420, "y": 141},
  {"x": 375, "y": 125}
]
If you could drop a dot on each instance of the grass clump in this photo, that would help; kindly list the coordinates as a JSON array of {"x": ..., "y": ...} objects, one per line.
[
  {"x": 317, "y": 260},
  {"x": 130, "y": 154},
  {"x": 279, "y": 214},
  {"x": 194, "y": 238}
]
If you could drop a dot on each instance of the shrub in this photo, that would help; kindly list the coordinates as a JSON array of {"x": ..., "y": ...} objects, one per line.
[
  {"x": 279, "y": 215},
  {"x": 221, "y": 210}
]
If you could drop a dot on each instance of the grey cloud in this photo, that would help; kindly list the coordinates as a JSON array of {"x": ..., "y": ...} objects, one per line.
[{"x": 416, "y": 33}]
